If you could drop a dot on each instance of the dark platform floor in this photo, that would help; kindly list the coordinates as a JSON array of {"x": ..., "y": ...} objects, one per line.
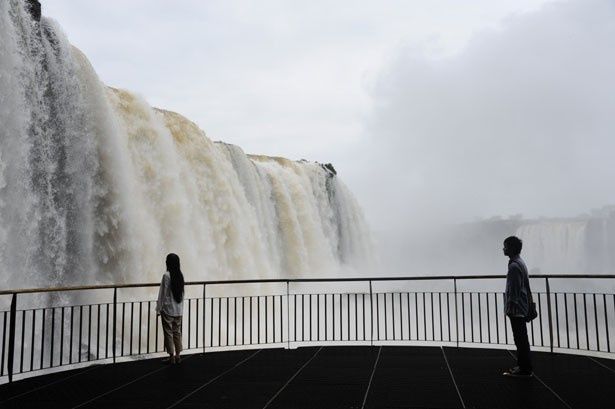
[{"x": 326, "y": 378}]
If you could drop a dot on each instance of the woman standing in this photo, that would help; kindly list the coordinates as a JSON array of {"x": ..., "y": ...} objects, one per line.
[{"x": 170, "y": 307}]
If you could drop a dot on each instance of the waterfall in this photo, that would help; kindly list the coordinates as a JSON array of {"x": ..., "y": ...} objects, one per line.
[
  {"x": 96, "y": 186},
  {"x": 555, "y": 247}
]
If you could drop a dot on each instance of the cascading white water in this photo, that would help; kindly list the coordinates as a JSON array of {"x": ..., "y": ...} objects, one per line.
[
  {"x": 97, "y": 186},
  {"x": 555, "y": 247}
]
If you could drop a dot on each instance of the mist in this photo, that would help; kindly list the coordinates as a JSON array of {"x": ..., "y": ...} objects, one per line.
[{"x": 517, "y": 128}]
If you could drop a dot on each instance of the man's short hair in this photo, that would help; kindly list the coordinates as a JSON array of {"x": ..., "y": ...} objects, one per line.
[{"x": 514, "y": 244}]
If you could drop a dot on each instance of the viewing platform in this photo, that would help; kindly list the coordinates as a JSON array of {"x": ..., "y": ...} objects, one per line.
[
  {"x": 326, "y": 378},
  {"x": 386, "y": 342}
]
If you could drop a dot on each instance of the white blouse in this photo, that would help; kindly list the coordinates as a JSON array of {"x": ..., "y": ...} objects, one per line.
[{"x": 166, "y": 303}]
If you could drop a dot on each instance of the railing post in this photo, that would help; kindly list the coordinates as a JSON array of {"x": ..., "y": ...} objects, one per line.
[
  {"x": 371, "y": 307},
  {"x": 114, "y": 322},
  {"x": 456, "y": 316},
  {"x": 549, "y": 312},
  {"x": 204, "y": 314},
  {"x": 12, "y": 336},
  {"x": 288, "y": 312}
]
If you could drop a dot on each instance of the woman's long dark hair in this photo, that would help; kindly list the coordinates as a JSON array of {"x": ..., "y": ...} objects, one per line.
[{"x": 177, "y": 278}]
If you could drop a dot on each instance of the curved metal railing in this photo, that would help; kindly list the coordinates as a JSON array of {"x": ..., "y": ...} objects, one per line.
[{"x": 62, "y": 327}]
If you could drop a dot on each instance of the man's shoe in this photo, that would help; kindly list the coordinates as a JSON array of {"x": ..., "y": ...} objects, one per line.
[{"x": 516, "y": 372}]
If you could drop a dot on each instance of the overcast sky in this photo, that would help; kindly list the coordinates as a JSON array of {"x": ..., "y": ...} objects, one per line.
[{"x": 428, "y": 109}]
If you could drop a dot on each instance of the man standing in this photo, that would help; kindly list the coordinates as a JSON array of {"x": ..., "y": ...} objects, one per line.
[{"x": 517, "y": 300}]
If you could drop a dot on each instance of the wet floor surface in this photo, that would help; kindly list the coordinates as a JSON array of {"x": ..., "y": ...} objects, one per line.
[{"x": 326, "y": 378}]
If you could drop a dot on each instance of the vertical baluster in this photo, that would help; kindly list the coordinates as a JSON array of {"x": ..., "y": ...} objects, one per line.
[
  {"x": 258, "y": 319},
  {"x": 586, "y": 323},
  {"x": 433, "y": 324},
  {"x": 123, "y": 327},
  {"x": 288, "y": 313},
  {"x": 204, "y": 339},
  {"x": 356, "y": 317},
  {"x": 11, "y": 356},
  {"x": 43, "y": 339},
  {"x": 107, "y": 331},
  {"x": 549, "y": 312},
  {"x": 489, "y": 320},
  {"x": 557, "y": 319},
  {"x": 113, "y": 347},
  {"x": 596, "y": 319},
  {"x": 211, "y": 322},
  {"x": 401, "y": 318},
  {"x": 98, "y": 331},
  {"x": 448, "y": 316},
  {"x": 371, "y": 307},
  {"x": 576, "y": 321},
  {"x": 89, "y": 331},
  {"x": 326, "y": 320},
  {"x": 377, "y": 316},
  {"x": 281, "y": 320},
  {"x": 62, "y": 337},
  {"x": 4, "y": 319},
  {"x": 333, "y": 314},
  {"x": 157, "y": 326},
  {"x": 424, "y": 317},
  {"x": 456, "y": 314},
  {"x": 472, "y": 316},
  {"x": 409, "y": 320},
  {"x": 251, "y": 302},
  {"x": 480, "y": 319},
  {"x": 463, "y": 315},
  {"x": 189, "y": 323},
  {"x": 318, "y": 316},
  {"x": 440, "y": 314},
  {"x": 566, "y": 315},
  {"x": 363, "y": 313},
  {"x": 132, "y": 324},
  {"x": 227, "y": 320},
  {"x": 348, "y": 317},
  {"x": 287, "y": 318},
  {"x": 393, "y": 313},
  {"x": 310, "y": 318},
  {"x": 219, "y": 321},
  {"x": 149, "y": 312},
  {"x": 606, "y": 324},
  {"x": 243, "y": 320},
  {"x": 416, "y": 300},
  {"x": 70, "y": 345},
  {"x": 341, "y": 319},
  {"x": 542, "y": 343},
  {"x": 23, "y": 333},
  {"x": 386, "y": 323},
  {"x": 497, "y": 319}
]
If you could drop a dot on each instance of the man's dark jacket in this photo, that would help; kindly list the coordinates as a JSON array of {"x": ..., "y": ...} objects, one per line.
[{"x": 518, "y": 294}]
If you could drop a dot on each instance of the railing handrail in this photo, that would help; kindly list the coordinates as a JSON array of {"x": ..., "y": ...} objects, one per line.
[
  {"x": 373, "y": 308},
  {"x": 301, "y": 280}
]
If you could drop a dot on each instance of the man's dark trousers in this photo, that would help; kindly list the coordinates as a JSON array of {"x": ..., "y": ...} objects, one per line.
[{"x": 519, "y": 330}]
